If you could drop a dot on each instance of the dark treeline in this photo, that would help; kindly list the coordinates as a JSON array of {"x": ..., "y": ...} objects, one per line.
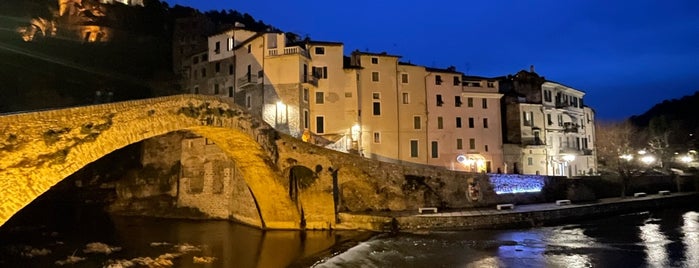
[{"x": 59, "y": 72}]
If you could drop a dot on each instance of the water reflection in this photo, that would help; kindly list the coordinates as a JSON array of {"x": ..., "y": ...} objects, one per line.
[
  {"x": 655, "y": 243},
  {"x": 690, "y": 239},
  {"x": 232, "y": 245}
]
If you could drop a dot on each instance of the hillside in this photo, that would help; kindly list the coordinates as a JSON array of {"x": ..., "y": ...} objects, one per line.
[
  {"x": 60, "y": 68},
  {"x": 677, "y": 115}
]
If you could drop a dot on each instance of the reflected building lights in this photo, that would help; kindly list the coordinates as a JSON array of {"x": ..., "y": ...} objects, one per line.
[
  {"x": 655, "y": 242},
  {"x": 690, "y": 229}
]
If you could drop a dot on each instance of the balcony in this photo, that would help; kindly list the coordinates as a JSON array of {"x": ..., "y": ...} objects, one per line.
[
  {"x": 310, "y": 79},
  {"x": 248, "y": 80},
  {"x": 587, "y": 151},
  {"x": 287, "y": 51},
  {"x": 569, "y": 127}
]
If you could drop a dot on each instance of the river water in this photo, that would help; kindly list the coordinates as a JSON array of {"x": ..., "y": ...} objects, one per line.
[{"x": 45, "y": 236}]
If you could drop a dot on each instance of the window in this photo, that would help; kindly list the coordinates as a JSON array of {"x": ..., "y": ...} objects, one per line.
[
  {"x": 560, "y": 120},
  {"x": 230, "y": 43},
  {"x": 471, "y": 122},
  {"x": 486, "y": 148},
  {"x": 485, "y": 122},
  {"x": 196, "y": 89},
  {"x": 376, "y": 95},
  {"x": 249, "y": 48},
  {"x": 469, "y": 102},
  {"x": 406, "y": 98},
  {"x": 472, "y": 144},
  {"x": 547, "y": 95},
  {"x": 377, "y": 108},
  {"x": 457, "y": 81},
  {"x": 195, "y": 60},
  {"x": 377, "y": 137},
  {"x": 203, "y": 72},
  {"x": 413, "y": 148},
  {"x": 305, "y": 95},
  {"x": 527, "y": 118},
  {"x": 458, "y": 122},
  {"x": 404, "y": 78},
  {"x": 348, "y": 94},
  {"x": 218, "y": 67},
  {"x": 320, "y": 72},
  {"x": 457, "y": 101},
  {"x": 416, "y": 122},
  {"x": 530, "y": 161},
  {"x": 230, "y": 92},
  {"x": 440, "y": 102},
  {"x": 204, "y": 57},
  {"x": 320, "y": 97},
  {"x": 216, "y": 91},
  {"x": 248, "y": 101},
  {"x": 437, "y": 79},
  {"x": 459, "y": 144},
  {"x": 320, "y": 124},
  {"x": 435, "y": 149},
  {"x": 375, "y": 76},
  {"x": 230, "y": 69},
  {"x": 306, "y": 119},
  {"x": 485, "y": 103},
  {"x": 548, "y": 119},
  {"x": 440, "y": 122},
  {"x": 374, "y": 60},
  {"x": 320, "y": 50},
  {"x": 491, "y": 84},
  {"x": 217, "y": 49}
]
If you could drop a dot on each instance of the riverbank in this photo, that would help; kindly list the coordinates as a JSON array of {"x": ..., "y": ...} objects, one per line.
[{"x": 520, "y": 216}]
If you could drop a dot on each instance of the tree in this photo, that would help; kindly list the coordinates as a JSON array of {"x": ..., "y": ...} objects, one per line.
[{"x": 615, "y": 149}]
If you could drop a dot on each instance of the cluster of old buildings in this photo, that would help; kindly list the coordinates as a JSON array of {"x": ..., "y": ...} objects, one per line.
[{"x": 374, "y": 105}]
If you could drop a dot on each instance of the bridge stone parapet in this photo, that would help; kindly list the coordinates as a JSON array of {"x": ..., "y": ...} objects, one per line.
[{"x": 294, "y": 184}]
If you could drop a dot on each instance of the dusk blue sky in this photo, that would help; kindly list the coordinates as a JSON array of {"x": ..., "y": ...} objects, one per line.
[{"x": 626, "y": 55}]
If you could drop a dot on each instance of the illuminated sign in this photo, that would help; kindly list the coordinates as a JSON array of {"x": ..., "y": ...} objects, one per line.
[{"x": 513, "y": 183}]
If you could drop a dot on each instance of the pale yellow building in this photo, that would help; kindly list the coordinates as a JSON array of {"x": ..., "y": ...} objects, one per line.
[
  {"x": 377, "y": 93},
  {"x": 412, "y": 112}
]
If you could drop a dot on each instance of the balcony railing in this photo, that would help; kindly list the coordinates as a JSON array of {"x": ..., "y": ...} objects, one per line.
[
  {"x": 310, "y": 79},
  {"x": 287, "y": 51},
  {"x": 569, "y": 127},
  {"x": 248, "y": 80}
]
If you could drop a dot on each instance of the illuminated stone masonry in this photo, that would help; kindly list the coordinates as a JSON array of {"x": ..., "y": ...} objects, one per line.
[{"x": 293, "y": 184}]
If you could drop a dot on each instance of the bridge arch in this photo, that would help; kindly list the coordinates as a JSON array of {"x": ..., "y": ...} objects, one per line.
[{"x": 39, "y": 149}]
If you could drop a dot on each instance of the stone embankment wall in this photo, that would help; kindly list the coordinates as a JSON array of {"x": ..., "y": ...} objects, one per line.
[{"x": 511, "y": 219}]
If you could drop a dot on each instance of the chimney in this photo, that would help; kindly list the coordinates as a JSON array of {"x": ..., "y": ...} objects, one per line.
[{"x": 531, "y": 68}]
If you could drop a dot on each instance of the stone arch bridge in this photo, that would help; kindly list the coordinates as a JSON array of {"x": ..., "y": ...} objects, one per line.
[{"x": 39, "y": 149}]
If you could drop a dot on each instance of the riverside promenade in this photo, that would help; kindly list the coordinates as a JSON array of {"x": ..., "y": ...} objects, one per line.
[{"x": 520, "y": 216}]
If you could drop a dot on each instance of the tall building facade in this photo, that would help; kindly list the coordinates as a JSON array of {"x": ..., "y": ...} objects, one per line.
[
  {"x": 547, "y": 128},
  {"x": 374, "y": 105}
]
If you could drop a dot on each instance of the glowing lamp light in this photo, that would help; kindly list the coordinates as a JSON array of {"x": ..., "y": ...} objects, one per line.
[
  {"x": 281, "y": 105},
  {"x": 648, "y": 159},
  {"x": 686, "y": 159},
  {"x": 627, "y": 157},
  {"x": 569, "y": 157},
  {"x": 355, "y": 132},
  {"x": 642, "y": 152}
]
